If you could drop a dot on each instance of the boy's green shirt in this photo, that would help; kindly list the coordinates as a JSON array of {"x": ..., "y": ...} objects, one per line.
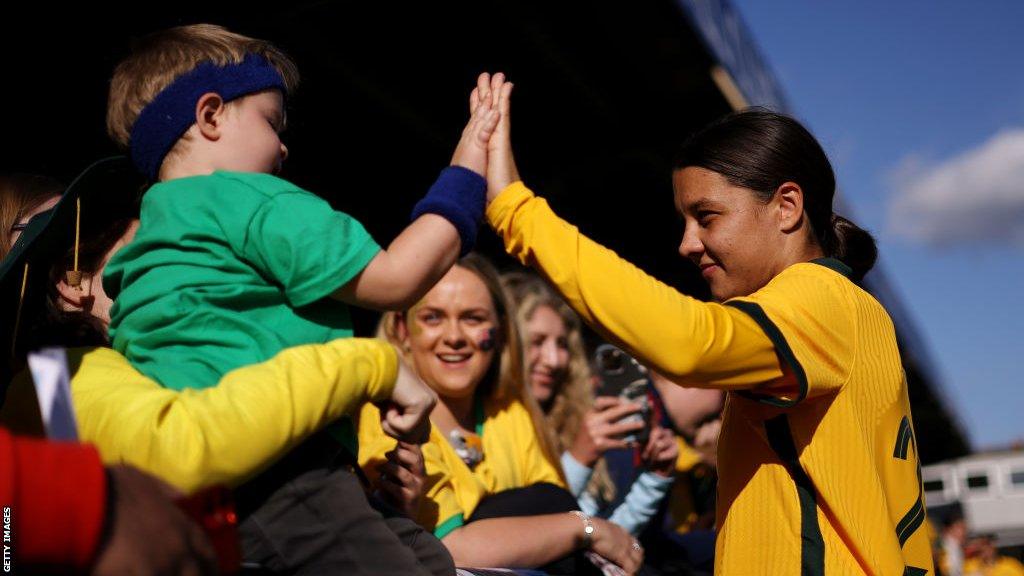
[{"x": 227, "y": 270}]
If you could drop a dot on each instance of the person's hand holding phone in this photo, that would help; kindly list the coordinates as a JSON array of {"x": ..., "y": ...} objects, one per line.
[{"x": 602, "y": 429}]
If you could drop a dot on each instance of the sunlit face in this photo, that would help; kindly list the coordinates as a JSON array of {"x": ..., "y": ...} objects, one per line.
[
  {"x": 446, "y": 334},
  {"x": 729, "y": 233},
  {"x": 15, "y": 232},
  {"x": 250, "y": 138},
  {"x": 547, "y": 353}
]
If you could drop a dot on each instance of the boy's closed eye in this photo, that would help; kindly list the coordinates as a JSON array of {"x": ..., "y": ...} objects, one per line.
[{"x": 278, "y": 122}]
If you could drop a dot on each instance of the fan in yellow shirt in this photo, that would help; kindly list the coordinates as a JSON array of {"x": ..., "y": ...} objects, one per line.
[
  {"x": 487, "y": 438},
  {"x": 817, "y": 456},
  {"x": 985, "y": 559}
]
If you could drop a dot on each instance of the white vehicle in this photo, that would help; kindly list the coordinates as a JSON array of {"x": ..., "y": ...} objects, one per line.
[{"x": 989, "y": 488}]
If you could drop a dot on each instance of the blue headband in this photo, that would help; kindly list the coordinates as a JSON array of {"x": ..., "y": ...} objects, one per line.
[{"x": 173, "y": 111}]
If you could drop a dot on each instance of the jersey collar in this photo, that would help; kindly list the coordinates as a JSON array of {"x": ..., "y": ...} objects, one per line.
[{"x": 834, "y": 264}]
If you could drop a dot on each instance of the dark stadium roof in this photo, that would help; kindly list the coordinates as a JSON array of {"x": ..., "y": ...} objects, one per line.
[{"x": 604, "y": 92}]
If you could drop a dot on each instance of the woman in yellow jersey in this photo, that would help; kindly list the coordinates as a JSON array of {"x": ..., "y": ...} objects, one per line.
[
  {"x": 817, "y": 460},
  {"x": 487, "y": 443}
]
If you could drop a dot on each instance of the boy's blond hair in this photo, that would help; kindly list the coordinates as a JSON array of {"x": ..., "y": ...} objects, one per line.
[{"x": 160, "y": 58}]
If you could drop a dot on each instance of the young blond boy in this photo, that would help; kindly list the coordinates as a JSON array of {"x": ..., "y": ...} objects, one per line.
[{"x": 231, "y": 264}]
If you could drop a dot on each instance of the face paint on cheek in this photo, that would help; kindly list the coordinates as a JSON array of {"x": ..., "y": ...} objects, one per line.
[{"x": 488, "y": 342}]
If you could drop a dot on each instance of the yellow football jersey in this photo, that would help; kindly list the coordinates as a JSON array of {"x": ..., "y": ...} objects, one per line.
[
  {"x": 818, "y": 468},
  {"x": 512, "y": 458}
]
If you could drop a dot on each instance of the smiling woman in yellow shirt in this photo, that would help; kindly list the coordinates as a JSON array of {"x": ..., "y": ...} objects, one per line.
[
  {"x": 818, "y": 463},
  {"x": 487, "y": 436}
]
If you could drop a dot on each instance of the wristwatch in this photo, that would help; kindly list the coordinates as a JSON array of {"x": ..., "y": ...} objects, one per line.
[{"x": 588, "y": 528}]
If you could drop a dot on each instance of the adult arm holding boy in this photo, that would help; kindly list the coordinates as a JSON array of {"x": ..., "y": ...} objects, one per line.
[{"x": 228, "y": 433}]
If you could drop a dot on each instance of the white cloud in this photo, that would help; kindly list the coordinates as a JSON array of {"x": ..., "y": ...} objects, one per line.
[{"x": 976, "y": 196}]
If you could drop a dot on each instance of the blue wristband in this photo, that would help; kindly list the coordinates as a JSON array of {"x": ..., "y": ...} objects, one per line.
[{"x": 458, "y": 195}]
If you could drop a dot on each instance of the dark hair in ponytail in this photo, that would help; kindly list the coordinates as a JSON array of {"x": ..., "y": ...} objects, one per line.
[{"x": 760, "y": 150}]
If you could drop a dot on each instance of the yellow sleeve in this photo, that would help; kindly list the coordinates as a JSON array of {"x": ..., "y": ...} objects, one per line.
[
  {"x": 225, "y": 434},
  {"x": 691, "y": 342},
  {"x": 443, "y": 506}
]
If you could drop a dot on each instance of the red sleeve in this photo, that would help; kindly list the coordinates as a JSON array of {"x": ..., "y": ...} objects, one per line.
[{"x": 53, "y": 499}]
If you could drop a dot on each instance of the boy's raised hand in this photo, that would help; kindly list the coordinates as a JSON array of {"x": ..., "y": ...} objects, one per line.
[
  {"x": 406, "y": 415},
  {"x": 501, "y": 164},
  {"x": 471, "y": 151}
]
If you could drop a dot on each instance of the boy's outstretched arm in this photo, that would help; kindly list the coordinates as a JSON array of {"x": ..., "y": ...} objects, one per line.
[{"x": 444, "y": 225}]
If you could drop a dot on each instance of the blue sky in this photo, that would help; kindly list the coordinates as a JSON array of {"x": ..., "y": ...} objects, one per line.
[{"x": 920, "y": 106}]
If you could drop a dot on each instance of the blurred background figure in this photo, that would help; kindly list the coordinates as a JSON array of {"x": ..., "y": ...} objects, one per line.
[
  {"x": 983, "y": 559},
  {"x": 22, "y": 196},
  {"x": 951, "y": 544}
]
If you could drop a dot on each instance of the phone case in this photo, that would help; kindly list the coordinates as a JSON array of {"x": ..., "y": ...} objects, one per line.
[{"x": 622, "y": 376}]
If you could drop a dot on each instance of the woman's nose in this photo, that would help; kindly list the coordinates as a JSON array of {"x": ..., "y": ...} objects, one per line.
[
  {"x": 691, "y": 246},
  {"x": 549, "y": 354},
  {"x": 453, "y": 334}
]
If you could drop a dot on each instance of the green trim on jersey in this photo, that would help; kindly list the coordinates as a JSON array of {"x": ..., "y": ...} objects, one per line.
[
  {"x": 781, "y": 347},
  {"x": 834, "y": 264},
  {"x": 812, "y": 545},
  {"x": 903, "y": 439},
  {"x": 479, "y": 416},
  {"x": 914, "y": 517},
  {"x": 445, "y": 528}
]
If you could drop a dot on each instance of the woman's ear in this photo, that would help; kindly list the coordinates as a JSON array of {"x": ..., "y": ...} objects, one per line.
[
  {"x": 76, "y": 298},
  {"x": 789, "y": 199},
  {"x": 402, "y": 331},
  {"x": 210, "y": 110}
]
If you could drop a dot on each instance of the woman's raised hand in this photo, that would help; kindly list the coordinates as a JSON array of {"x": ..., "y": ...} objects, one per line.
[{"x": 495, "y": 92}]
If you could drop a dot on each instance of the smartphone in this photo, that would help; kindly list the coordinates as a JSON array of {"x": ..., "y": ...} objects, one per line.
[
  {"x": 624, "y": 377},
  {"x": 213, "y": 509}
]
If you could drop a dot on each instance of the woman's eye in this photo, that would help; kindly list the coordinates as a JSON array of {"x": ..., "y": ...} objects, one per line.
[
  {"x": 430, "y": 318},
  {"x": 475, "y": 320}
]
